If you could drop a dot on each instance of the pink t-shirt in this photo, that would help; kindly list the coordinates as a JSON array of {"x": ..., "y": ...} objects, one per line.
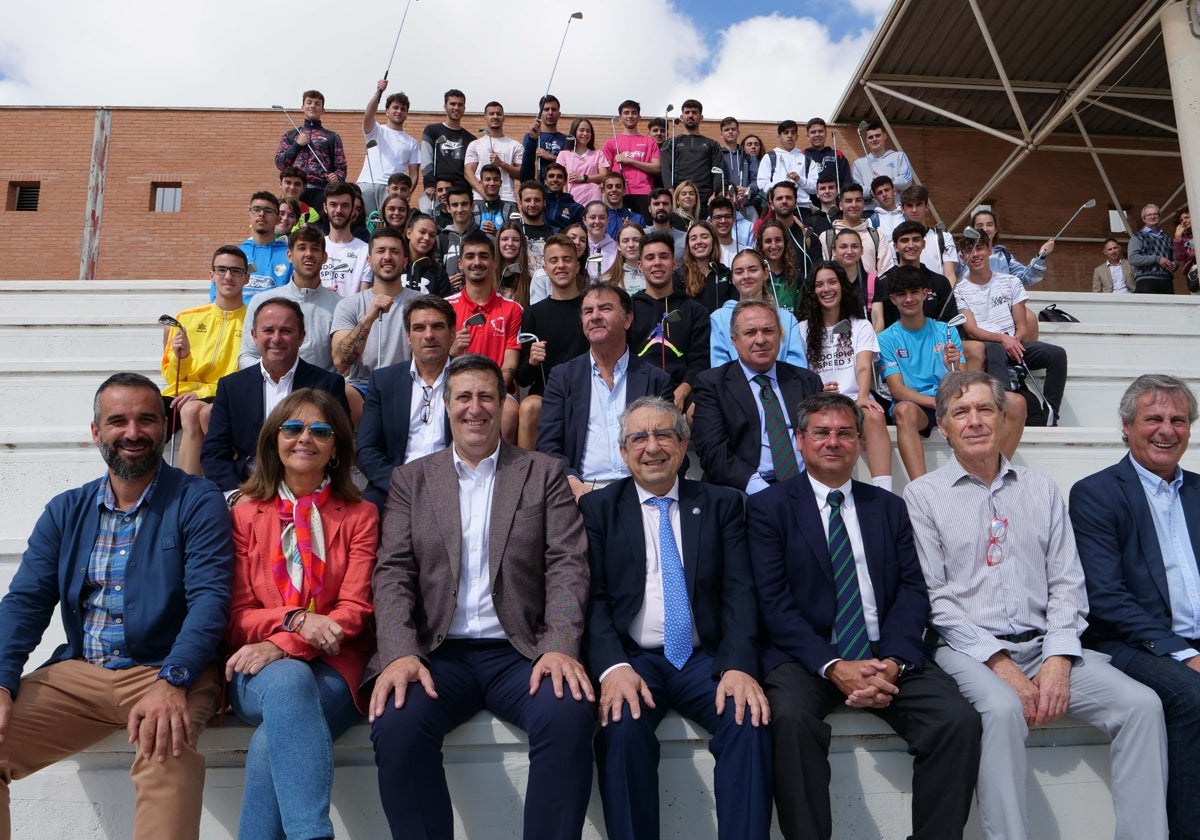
[
  {"x": 587, "y": 164},
  {"x": 639, "y": 147}
]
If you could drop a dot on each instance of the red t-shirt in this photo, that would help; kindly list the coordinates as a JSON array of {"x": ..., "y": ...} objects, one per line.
[{"x": 500, "y": 331}]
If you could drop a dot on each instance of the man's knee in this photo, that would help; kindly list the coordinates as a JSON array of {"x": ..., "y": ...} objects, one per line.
[{"x": 909, "y": 415}]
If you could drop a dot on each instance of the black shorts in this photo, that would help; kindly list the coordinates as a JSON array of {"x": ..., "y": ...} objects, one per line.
[
  {"x": 166, "y": 399},
  {"x": 929, "y": 413}
]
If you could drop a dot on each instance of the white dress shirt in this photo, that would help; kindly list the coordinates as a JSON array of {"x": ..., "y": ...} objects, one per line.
[
  {"x": 426, "y": 437},
  {"x": 474, "y": 612},
  {"x": 274, "y": 392},
  {"x": 1120, "y": 287},
  {"x": 854, "y": 532}
]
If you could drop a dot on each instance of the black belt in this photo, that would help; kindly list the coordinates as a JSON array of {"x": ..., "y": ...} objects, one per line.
[{"x": 1022, "y": 638}]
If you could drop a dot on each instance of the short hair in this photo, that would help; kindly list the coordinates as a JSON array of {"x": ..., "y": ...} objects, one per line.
[
  {"x": 827, "y": 401},
  {"x": 873, "y": 125},
  {"x": 916, "y": 194},
  {"x": 291, "y": 172},
  {"x": 493, "y": 104},
  {"x": 490, "y": 169},
  {"x": 231, "y": 251},
  {"x": 907, "y": 278},
  {"x": 657, "y": 237},
  {"x": 286, "y": 303},
  {"x": 389, "y": 232},
  {"x": 469, "y": 363},
  {"x": 879, "y": 181},
  {"x": 721, "y": 202},
  {"x": 826, "y": 177},
  {"x": 549, "y": 97},
  {"x": 743, "y": 305},
  {"x": 434, "y": 302},
  {"x": 786, "y": 125},
  {"x": 691, "y": 103},
  {"x": 629, "y": 103},
  {"x": 814, "y": 121},
  {"x": 339, "y": 188},
  {"x": 126, "y": 380},
  {"x": 453, "y": 92},
  {"x": 955, "y": 383},
  {"x": 620, "y": 291},
  {"x": 268, "y": 466},
  {"x": 265, "y": 195},
  {"x": 679, "y": 423},
  {"x": 560, "y": 240},
  {"x": 458, "y": 189},
  {"x": 1150, "y": 383},
  {"x": 905, "y": 228},
  {"x": 729, "y": 121},
  {"x": 786, "y": 185},
  {"x": 555, "y": 167},
  {"x": 400, "y": 178},
  {"x": 313, "y": 94},
  {"x": 478, "y": 237},
  {"x": 985, "y": 212},
  {"x": 531, "y": 185},
  {"x": 306, "y": 233},
  {"x": 1147, "y": 207},
  {"x": 657, "y": 122},
  {"x": 850, "y": 188},
  {"x": 399, "y": 96},
  {"x": 659, "y": 192},
  {"x": 1116, "y": 242},
  {"x": 611, "y": 176}
]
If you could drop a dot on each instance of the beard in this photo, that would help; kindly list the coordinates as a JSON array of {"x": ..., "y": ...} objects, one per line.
[{"x": 131, "y": 469}]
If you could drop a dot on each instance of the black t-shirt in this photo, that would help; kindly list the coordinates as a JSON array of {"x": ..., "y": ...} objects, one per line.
[
  {"x": 449, "y": 147},
  {"x": 939, "y": 303}
]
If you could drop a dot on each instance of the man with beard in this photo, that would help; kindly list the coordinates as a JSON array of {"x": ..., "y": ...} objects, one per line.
[
  {"x": 345, "y": 270},
  {"x": 690, "y": 156},
  {"x": 806, "y": 247},
  {"x": 141, "y": 561},
  {"x": 661, "y": 207},
  {"x": 543, "y": 142}
]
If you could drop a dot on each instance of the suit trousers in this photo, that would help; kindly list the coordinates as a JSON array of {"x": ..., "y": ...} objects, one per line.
[
  {"x": 1122, "y": 708},
  {"x": 63, "y": 708},
  {"x": 940, "y": 727},
  {"x": 470, "y": 676},
  {"x": 627, "y": 754}
]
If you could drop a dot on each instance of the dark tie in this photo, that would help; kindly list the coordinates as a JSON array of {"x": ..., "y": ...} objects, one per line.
[
  {"x": 848, "y": 625},
  {"x": 783, "y": 454},
  {"x": 677, "y": 611}
]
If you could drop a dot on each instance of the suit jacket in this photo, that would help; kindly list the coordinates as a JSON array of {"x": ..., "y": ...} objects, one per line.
[
  {"x": 715, "y": 561},
  {"x": 562, "y": 429},
  {"x": 1102, "y": 278},
  {"x": 176, "y": 578},
  {"x": 257, "y": 613},
  {"x": 1130, "y": 604},
  {"x": 383, "y": 428},
  {"x": 537, "y": 553},
  {"x": 794, "y": 575},
  {"x": 227, "y": 455},
  {"x": 726, "y": 430}
]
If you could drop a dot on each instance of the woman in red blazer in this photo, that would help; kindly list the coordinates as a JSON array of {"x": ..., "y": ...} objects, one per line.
[{"x": 301, "y": 616}]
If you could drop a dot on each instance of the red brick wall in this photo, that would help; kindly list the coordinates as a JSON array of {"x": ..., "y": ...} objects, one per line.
[{"x": 222, "y": 156}]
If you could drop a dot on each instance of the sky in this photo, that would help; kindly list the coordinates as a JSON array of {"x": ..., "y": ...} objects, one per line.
[{"x": 739, "y": 57}]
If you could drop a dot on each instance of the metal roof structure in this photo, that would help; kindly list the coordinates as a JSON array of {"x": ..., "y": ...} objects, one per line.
[{"x": 1039, "y": 74}]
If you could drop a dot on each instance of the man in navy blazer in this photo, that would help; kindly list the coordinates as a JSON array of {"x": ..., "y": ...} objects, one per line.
[
  {"x": 1137, "y": 526},
  {"x": 708, "y": 669},
  {"x": 404, "y": 415},
  {"x": 728, "y": 423},
  {"x": 567, "y": 406},
  {"x": 139, "y": 563},
  {"x": 844, "y": 605},
  {"x": 245, "y": 398}
]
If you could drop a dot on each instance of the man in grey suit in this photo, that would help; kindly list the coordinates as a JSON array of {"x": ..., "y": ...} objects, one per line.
[
  {"x": 1115, "y": 275},
  {"x": 479, "y": 594}
]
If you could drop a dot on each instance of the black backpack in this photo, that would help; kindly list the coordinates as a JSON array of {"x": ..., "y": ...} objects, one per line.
[{"x": 1053, "y": 314}]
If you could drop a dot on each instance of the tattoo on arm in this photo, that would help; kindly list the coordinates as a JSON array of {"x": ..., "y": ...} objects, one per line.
[{"x": 350, "y": 348}]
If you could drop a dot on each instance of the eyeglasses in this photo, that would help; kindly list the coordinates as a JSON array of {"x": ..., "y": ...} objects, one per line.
[
  {"x": 823, "y": 434},
  {"x": 426, "y": 403},
  {"x": 638, "y": 440},
  {"x": 997, "y": 531},
  {"x": 231, "y": 270},
  {"x": 722, "y": 218},
  {"x": 292, "y": 429},
  {"x": 263, "y": 211}
]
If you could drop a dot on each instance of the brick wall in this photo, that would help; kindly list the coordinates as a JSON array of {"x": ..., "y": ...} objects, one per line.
[{"x": 222, "y": 156}]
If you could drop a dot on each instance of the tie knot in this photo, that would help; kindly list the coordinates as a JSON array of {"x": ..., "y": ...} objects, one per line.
[
  {"x": 762, "y": 380},
  {"x": 835, "y": 498},
  {"x": 663, "y": 503}
]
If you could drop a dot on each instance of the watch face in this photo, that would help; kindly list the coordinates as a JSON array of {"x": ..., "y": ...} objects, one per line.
[{"x": 177, "y": 675}]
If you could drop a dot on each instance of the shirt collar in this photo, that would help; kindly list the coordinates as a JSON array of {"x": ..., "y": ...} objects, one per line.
[
  {"x": 1154, "y": 483},
  {"x": 437, "y": 383},
  {"x": 821, "y": 491},
  {"x": 618, "y": 369},
  {"x": 771, "y": 374},
  {"x": 957, "y": 472},
  {"x": 645, "y": 495},
  {"x": 287, "y": 377},
  {"x": 106, "y": 499},
  {"x": 487, "y": 464}
]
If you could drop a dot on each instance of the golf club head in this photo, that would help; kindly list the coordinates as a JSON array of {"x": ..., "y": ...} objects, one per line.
[
  {"x": 576, "y": 15},
  {"x": 862, "y": 126},
  {"x": 526, "y": 338},
  {"x": 511, "y": 270},
  {"x": 595, "y": 258},
  {"x": 168, "y": 321},
  {"x": 716, "y": 170},
  {"x": 1089, "y": 204},
  {"x": 670, "y": 108},
  {"x": 515, "y": 216},
  {"x": 418, "y": 261},
  {"x": 476, "y": 320},
  {"x": 481, "y": 131},
  {"x": 277, "y": 107},
  {"x": 671, "y": 317},
  {"x": 372, "y": 143},
  {"x": 843, "y": 327},
  {"x": 971, "y": 234},
  {"x": 957, "y": 321},
  {"x": 714, "y": 266}
]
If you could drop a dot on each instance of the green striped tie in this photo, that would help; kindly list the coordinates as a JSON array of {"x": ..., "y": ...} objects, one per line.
[
  {"x": 783, "y": 452},
  {"x": 848, "y": 625}
]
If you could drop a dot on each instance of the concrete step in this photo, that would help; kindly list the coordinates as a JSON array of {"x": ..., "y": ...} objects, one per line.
[
  {"x": 134, "y": 301},
  {"x": 1097, "y": 309},
  {"x": 1142, "y": 346},
  {"x": 93, "y": 338}
]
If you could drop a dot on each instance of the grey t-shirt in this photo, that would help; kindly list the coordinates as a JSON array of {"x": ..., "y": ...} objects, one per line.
[{"x": 387, "y": 343}]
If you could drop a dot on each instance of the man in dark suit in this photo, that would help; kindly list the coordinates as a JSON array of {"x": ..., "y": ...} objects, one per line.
[
  {"x": 671, "y": 623},
  {"x": 746, "y": 409},
  {"x": 1137, "y": 526},
  {"x": 844, "y": 605},
  {"x": 591, "y": 391},
  {"x": 245, "y": 398},
  {"x": 480, "y": 592},
  {"x": 404, "y": 416}
]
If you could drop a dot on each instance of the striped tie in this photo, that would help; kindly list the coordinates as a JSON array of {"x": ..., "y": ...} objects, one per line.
[
  {"x": 783, "y": 453},
  {"x": 848, "y": 625}
]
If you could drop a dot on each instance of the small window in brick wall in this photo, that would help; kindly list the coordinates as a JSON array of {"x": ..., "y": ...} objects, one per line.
[
  {"x": 23, "y": 195},
  {"x": 165, "y": 197}
]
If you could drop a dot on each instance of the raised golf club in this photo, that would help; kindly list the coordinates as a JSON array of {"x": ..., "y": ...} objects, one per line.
[
  {"x": 512, "y": 270},
  {"x": 396, "y": 43},
  {"x": 371, "y": 144},
  {"x": 168, "y": 321},
  {"x": 957, "y": 321},
  {"x": 574, "y": 16},
  {"x": 313, "y": 152},
  {"x": 717, "y": 170},
  {"x": 862, "y": 126},
  {"x": 1087, "y": 205}
]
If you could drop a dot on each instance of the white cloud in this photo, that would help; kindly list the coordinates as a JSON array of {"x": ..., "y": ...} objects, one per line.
[{"x": 222, "y": 53}]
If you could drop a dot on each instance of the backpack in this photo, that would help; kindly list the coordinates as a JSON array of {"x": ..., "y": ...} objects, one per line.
[{"x": 1052, "y": 314}]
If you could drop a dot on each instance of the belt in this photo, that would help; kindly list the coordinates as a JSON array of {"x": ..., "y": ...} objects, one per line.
[{"x": 1021, "y": 638}]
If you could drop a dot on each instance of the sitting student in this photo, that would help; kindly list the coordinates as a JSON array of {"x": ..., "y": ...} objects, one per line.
[
  {"x": 491, "y": 211},
  {"x": 266, "y": 256},
  {"x": 908, "y": 239},
  {"x": 291, "y": 185},
  {"x": 940, "y": 253},
  {"x": 426, "y": 274},
  {"x": 750, "y": 279},
  {"x": 887, "y": 213},
  {"x": 513, "y": 270},
  {"x": 206, "y": 349},
  {"x": 785, "y": 276},
  {"x": 561, "y": 209},
  {"x": 625, "y": 271},
  {"x": 601, "y": 248},
  {"x": 686, "y": 199},
  {"x": 705, "y": 279},
  {"x": 614, "y": 201},
  {"x": 462, "y": 223},
  {"x": 914, "y": 354},
  {"x": 995, "y": 308}
]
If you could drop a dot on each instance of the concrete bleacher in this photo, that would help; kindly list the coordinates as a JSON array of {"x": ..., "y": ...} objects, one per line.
[{"x": 59, "y": 340}]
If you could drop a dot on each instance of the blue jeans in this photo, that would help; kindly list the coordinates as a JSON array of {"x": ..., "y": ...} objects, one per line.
[
  {"x": 300, "y": 709},
  {"x": 1178, "y": 687}
]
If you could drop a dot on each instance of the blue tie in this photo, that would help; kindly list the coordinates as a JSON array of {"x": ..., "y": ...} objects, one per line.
[
  {"x": 848, "y": 625},
  {"x": 677, "y": 611}
]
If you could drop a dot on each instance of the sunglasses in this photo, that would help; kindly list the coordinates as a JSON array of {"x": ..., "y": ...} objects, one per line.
[
  {"x": 997, "y": 531},
  {"x": 292, "y": 429}
]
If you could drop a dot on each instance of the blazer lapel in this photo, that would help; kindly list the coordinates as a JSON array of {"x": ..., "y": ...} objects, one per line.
[
  {"x": 742, "y": 396},
  {"x": 1135, "y": 498},
  {"x": 441, "y": 482},
  {"x": 1189, "y": 497},
  {"x": 691, "y": 524},
  {"x": 512, "y": 470},
  {"x": 807, "y": 515},
  {"x": 629, "y": 514},
  {"x": 266, "y": 529}
]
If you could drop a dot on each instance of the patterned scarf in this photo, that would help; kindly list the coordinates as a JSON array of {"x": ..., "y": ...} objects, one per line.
[{"x": 298, "y": 564}]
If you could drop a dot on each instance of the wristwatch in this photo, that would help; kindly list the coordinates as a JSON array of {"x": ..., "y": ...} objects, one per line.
[
  {"x": 902, "y": 665},
  {"x": 179, "y": 676}
]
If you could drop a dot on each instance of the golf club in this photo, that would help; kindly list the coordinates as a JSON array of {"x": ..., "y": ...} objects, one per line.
[
  {"x": 396, "y": 43},
  {"x": 597, "y": 260},
  {"x": 512, "y": 270},
  {"x": 168, "y": 321},
  {"x": 483, "y": 132},
  {"x": 671, "y": 128},
  {"x": 717, "y": 170},
  {"x": 574, "y": 16},
  {"x": 957, "y": 321},
  {"x": 299, "y": 130},
  {"x": 843, "y": 327},
  {"x": 837, "y": 173},
  {"x": 371, "y": 144},
  {"x": 862, "y": 126},
  {"x": 715, "y": 268},
  {"x": 616, "y": 145},
  {"x": 530, "y": 338},
  {"x": 476, "y": 320},
  {"x": 413, "y": 279},
  {"x": 1087, "y": 205},
  {"x": 1037, "y": 389}
]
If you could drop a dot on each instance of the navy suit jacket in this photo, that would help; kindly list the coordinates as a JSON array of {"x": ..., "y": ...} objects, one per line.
[
  {"x": 794, "y": 576},
  {"x": 726, "y": 430},
  {"x": 383, "y": 428},
  {"x": 715, "y": 562},
  {"x": 562, "y": 429},
  {"x": 1130, "y": 605},
  {"x": 227, "y": 455}
]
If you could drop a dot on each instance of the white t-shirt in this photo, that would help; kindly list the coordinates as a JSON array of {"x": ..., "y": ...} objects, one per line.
[
  {"x": 346, "y": 267},
  {"x": 991, "y": 303},
  {"x": 508, "y": 150},
  {"x": 931, "y": 258},
  {"x": 395, "y": 153},
  {"x": 836, "y": 363}
]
